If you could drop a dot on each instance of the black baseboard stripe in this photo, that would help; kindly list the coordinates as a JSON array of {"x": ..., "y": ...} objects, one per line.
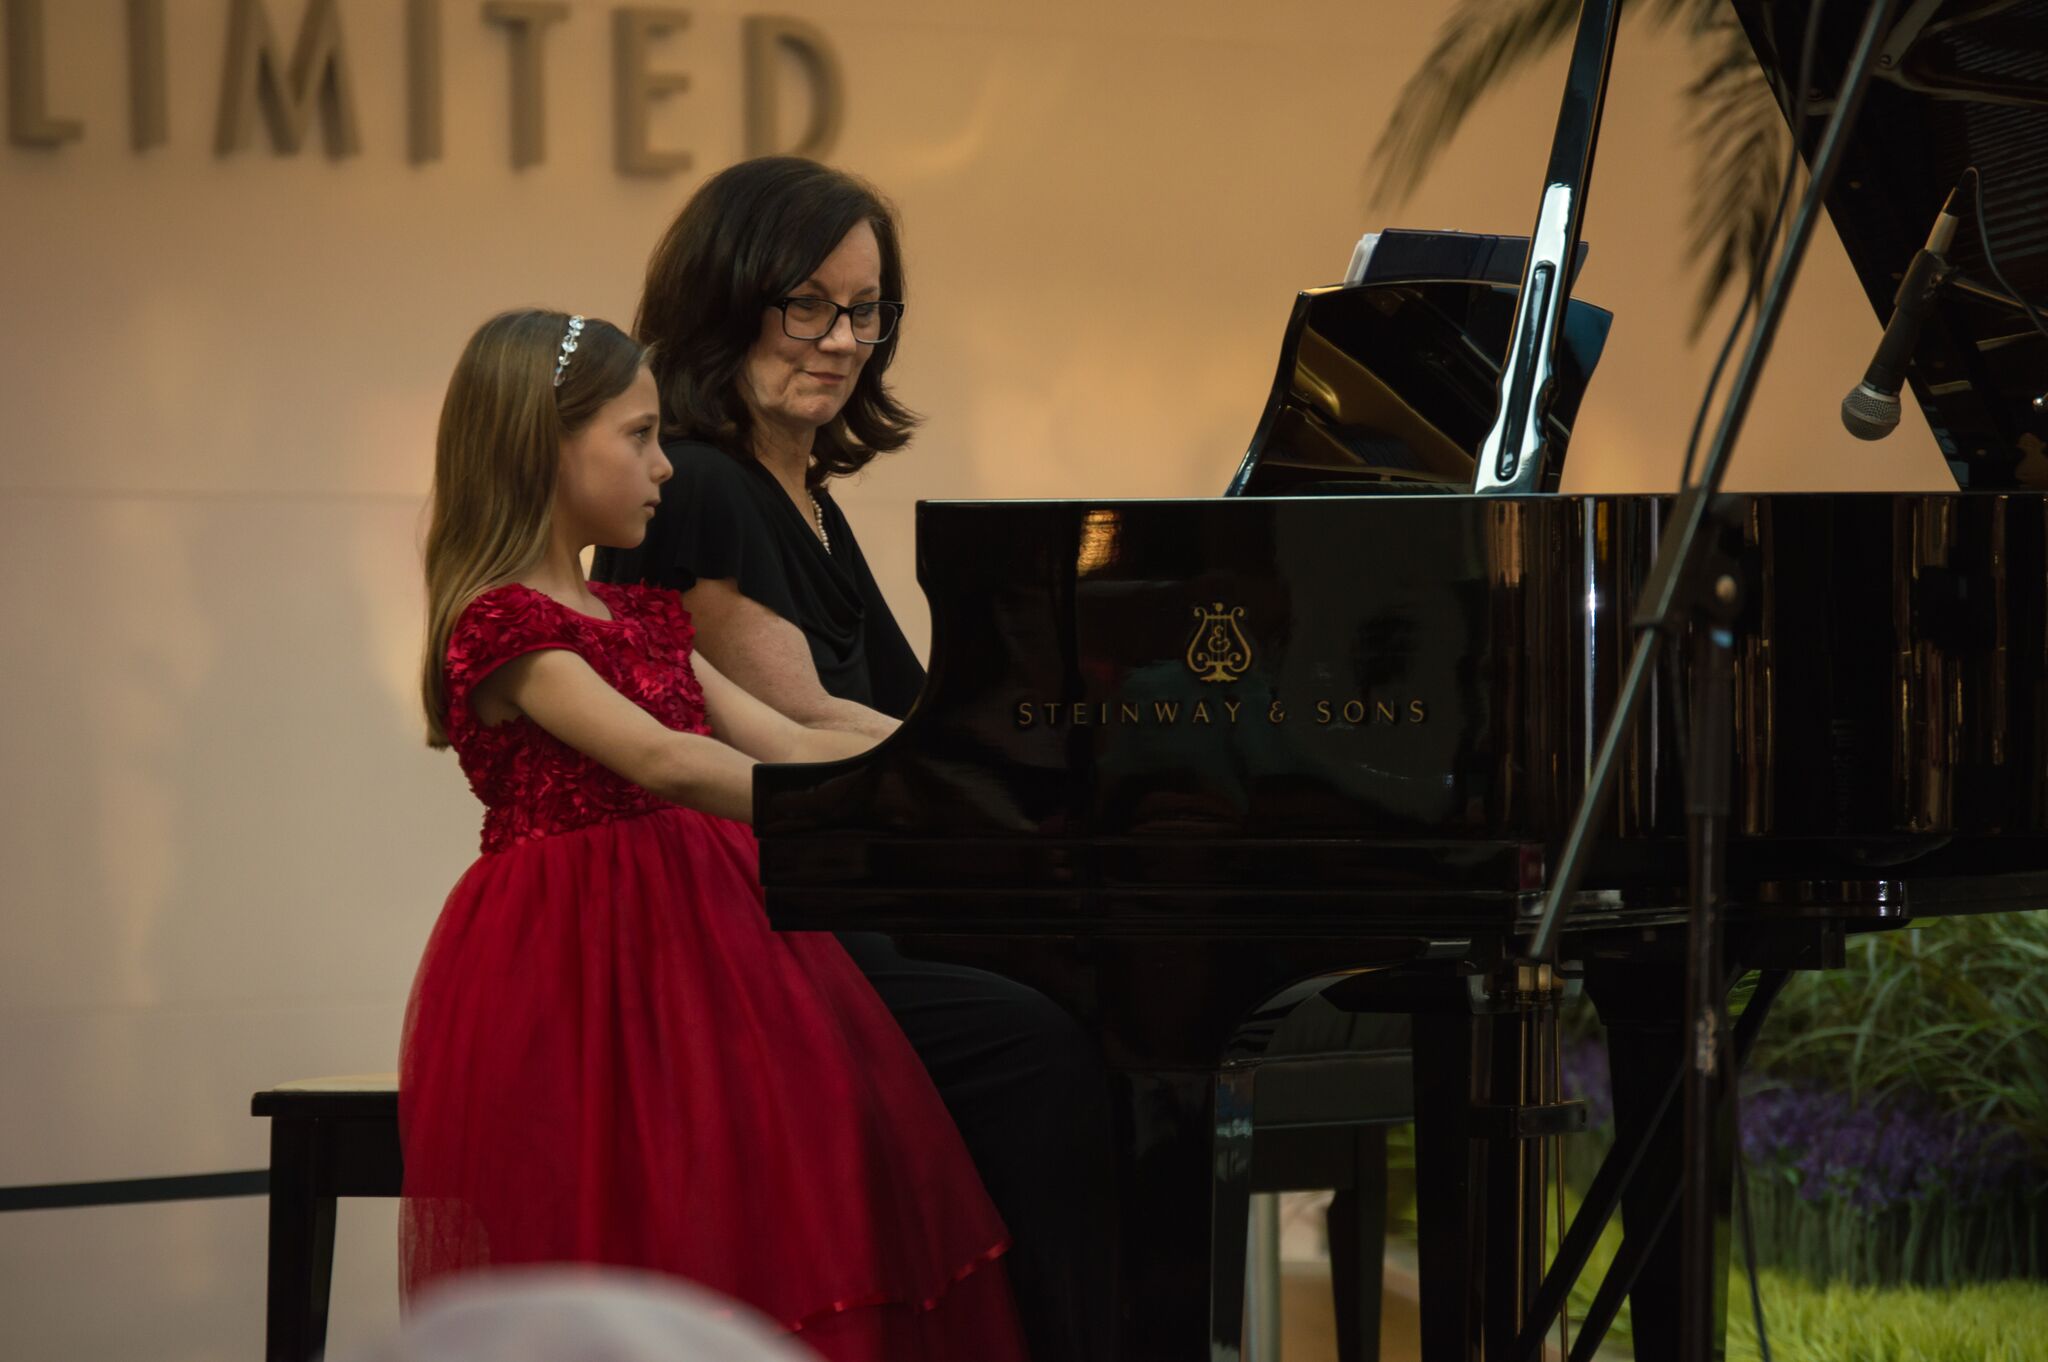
[{"x": 52, "y": 1196}]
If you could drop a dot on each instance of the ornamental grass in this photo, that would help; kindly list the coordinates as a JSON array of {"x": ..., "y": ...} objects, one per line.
[
  {"x": 1805, "y": 1321},
  {"x": 1986, "y": 1322}
]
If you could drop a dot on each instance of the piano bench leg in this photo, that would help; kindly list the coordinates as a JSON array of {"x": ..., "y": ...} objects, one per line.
[
  {"x": 1229, "y": 1211},
  {"x": 1357, "y": 1223},
  {"x": 1262, "y": 1280},
  {"x": 301, "y": 1262}
]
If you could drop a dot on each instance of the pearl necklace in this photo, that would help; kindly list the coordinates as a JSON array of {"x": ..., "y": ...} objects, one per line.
[{"x": 818, "y": 515}]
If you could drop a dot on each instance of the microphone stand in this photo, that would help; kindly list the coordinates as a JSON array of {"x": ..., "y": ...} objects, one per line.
[{"x": 1680, "y": 591}]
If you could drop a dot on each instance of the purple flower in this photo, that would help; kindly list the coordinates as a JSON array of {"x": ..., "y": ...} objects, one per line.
[
  {"x": 1880, "y": 1153},
  {"x": 1583, "y": 1065},
  {"x": 1874, "y": 1155}
]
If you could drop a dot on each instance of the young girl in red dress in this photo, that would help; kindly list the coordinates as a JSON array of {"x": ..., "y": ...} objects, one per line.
[{"x": 609, "y": 1057}]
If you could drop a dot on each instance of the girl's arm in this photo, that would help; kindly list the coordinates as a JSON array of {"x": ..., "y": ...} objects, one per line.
[
  {"x": 764, "y": 733},
  {"x": 559, "y": 691}
]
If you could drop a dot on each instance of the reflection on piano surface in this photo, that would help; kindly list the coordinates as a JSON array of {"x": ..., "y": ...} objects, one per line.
[
  {"x": 1394, "y": 379},
  {"x": 1181, "y": 763}
]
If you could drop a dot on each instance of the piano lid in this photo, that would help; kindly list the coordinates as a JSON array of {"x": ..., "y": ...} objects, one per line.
[
  {"x": 1961, "y": 83},
  {"x": 1389, "y": 383}
]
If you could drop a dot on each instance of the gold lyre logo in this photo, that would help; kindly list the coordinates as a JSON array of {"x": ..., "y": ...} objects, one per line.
[{"x": 1219, "y": 651}]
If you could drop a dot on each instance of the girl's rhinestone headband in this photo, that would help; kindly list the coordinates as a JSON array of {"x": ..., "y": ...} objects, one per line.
[{"x": 575, "y": 333}]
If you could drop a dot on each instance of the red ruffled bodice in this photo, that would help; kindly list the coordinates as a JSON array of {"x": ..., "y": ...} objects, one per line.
[{"x": 531, "y": 783}]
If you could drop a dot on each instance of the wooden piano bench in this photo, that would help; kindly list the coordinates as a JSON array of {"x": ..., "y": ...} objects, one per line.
[
  {"x": 1320, "y": 1121},
  {"x": 329, "y": 1138}
]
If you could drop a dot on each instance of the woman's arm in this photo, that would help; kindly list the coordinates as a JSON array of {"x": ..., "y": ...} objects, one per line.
[
  {"x": 559, "y": 691},
  {"x": 765, "y": 734},
  {"x": 766, "y": 656}
]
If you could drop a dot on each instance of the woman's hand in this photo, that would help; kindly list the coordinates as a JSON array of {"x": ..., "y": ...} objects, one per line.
[{"x": 766, "y": 734}]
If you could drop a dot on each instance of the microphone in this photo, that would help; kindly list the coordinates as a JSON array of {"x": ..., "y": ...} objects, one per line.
[{"x": 1871, "y": 410}]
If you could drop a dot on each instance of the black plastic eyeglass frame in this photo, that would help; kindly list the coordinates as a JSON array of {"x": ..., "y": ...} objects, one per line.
[{"x": 890, "y": 313}]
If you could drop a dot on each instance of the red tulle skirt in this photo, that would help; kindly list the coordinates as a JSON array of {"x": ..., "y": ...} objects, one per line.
[{"x": 610, "y": 1058}]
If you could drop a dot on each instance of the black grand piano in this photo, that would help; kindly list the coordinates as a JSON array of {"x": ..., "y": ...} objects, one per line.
[{"x": 1182, "y": 764}]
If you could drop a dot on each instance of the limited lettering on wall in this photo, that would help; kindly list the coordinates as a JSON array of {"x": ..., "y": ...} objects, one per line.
[{"x": 277, "y": 91}]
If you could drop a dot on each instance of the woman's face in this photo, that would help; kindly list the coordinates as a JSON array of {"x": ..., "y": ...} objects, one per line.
[
  {"x": 613, "y": 469},
  {"x": 800, "y": 385}
]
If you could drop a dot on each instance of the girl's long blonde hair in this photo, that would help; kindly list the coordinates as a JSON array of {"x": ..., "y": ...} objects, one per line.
[{"x": 496, "y": 457}]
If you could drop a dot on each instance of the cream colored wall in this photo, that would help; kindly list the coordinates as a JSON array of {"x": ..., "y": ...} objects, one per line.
[{"x": 221, "y": 842}]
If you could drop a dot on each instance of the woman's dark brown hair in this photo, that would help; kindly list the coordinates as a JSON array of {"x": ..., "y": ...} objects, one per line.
[{"x": 753, "y": 233}]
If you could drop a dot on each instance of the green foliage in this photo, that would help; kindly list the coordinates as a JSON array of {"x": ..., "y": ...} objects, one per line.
[
  {"x": 1896, "y": 1112},
  {"x": 1995, "y": 1322},
  {"x": 1956, "y": 1010},
  {"x": 1952, "y": 1016},
  {"x": 1985, "y": 1322}
]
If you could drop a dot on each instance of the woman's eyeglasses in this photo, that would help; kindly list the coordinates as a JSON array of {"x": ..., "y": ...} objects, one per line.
[{"x": 810, "y": 319}]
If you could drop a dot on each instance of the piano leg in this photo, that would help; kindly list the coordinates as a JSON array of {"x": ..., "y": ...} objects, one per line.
[
  {"x": 1450, "y": 1186},
  {"x": 1192, "y": 1129},
  {"x": 1643, "y": 1009},
  {"x": 1479, "y": 1189},
  {"x": 1176, "y": 1144}
]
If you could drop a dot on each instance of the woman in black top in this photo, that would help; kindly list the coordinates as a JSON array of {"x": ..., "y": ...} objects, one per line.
[
  {"x": 773, "y": 305},
  {"x": 729, "y": 537}
]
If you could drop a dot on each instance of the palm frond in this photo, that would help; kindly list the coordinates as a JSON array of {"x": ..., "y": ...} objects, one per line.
[
  {"x": 1736, "y": 125},
  {"x": 1481, "y": 43},
  {"x": 1699, "y": 16},
  {"x": 1742, "y": 143}
]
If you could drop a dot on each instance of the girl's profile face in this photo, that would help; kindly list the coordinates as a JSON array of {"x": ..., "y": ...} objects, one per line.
[{"x": 613, "y": 469}]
